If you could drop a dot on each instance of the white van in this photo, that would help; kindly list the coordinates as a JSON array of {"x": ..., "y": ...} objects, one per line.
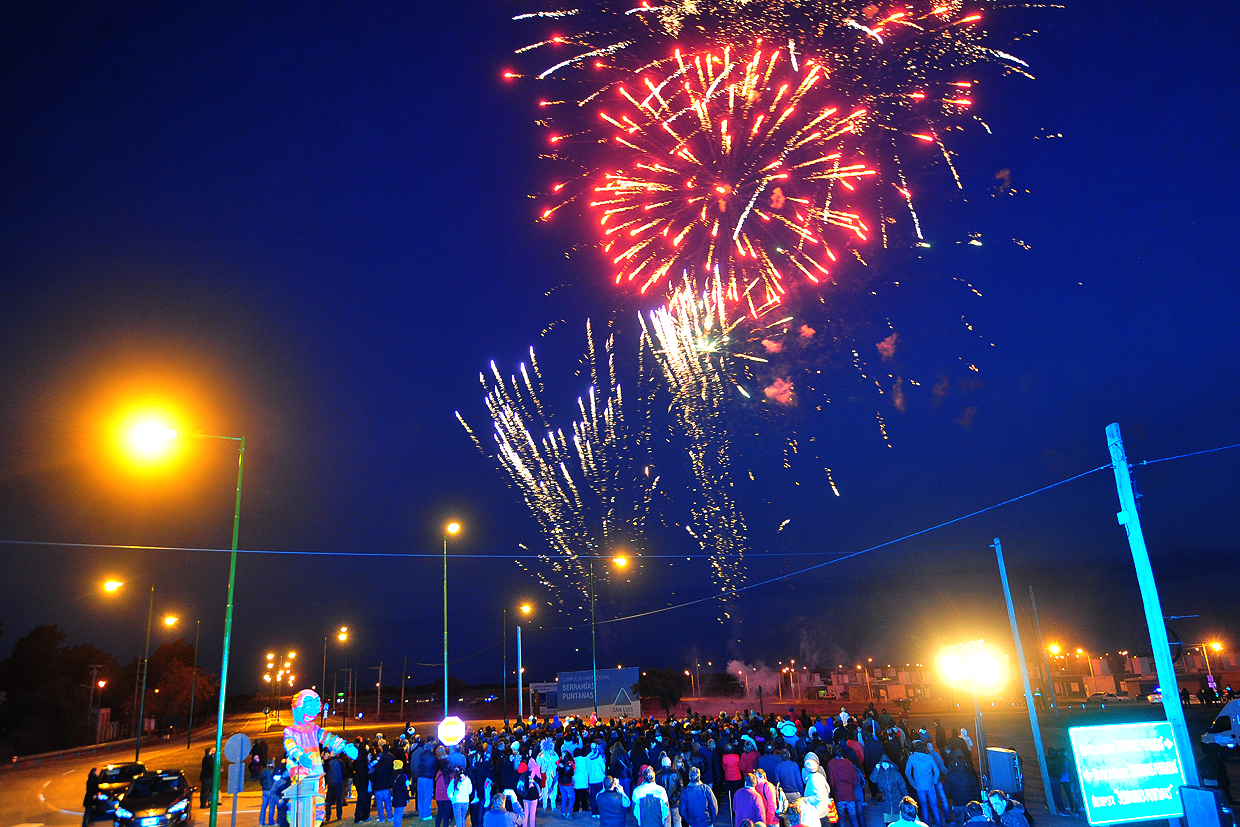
[{"x": 1225, "y": 731}]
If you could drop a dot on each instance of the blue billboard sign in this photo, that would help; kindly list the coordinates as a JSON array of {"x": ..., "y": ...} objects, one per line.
[
  {"x": 617, "y": 696},
  {"x": 1128, "y": 772}
]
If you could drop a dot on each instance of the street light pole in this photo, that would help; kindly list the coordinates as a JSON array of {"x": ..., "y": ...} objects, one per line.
[
  {"x": 1024, "y": 677},
  {"x": 593, "y": 644},
  {"x": 228, "y": 615},
  {"x": 505, "y": 682},
  {"x": 146, "y": 659},
  {"x": 193, "y": 687},
  {"x": 445, "y": 625},
  {"x": 1046, "y": 664},
  {"x": 520, "y": 700},
  {"x": 452, "y": 528},
  {"x": 1130, "y": 519}
]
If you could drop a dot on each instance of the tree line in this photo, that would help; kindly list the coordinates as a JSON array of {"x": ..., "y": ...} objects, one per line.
[{"x": 48, "y": 690}]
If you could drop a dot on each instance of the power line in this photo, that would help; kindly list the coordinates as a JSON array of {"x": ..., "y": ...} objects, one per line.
[
  {"x": 1193, "y": 454},
  {"x": 425, "y": 555}
]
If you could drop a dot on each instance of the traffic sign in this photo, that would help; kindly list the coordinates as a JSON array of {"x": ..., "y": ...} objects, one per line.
[
  {"x": 1128, "y": 772},
  {"x": 237, "y": 747}
]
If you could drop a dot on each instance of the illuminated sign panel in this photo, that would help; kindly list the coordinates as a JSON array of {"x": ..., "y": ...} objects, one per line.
[{"x": 1128, "y": 772}]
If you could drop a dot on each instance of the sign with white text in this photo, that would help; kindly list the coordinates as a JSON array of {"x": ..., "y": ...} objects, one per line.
[
  {"x": 1128, "y": 772},
  {"x": 617, "y": 695}
]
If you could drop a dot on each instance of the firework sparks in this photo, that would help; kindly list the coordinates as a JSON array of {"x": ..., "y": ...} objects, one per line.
[
  {"x": 689, "y": 338},
  {"x": 729, "y": 164},
  {"x": 668, "y": 90},
  {"x": 579, "y": 483}
]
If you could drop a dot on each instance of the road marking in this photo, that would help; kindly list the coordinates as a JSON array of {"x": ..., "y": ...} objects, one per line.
[
  {"x": 70, "y": 812},
  {"x": 68, "y": 772},
  {"x": 29, "y": 824}
]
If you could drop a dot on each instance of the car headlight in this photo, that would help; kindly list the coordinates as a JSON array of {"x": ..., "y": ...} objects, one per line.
[
  {"x": 121, "y": 812},
  {"x": 179, "y": 807}
]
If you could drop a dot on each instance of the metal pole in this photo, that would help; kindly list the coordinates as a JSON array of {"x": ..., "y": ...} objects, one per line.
[
  {"x": 593, "y": 645},
  {"x": 445, "y": 625},
  {"x": 520, "y": 700},
  {"x": 698, "y": 668},
  {"x": 1130, "y": 519},
  {"x": 228, "y": 613},
  {"x": 1024, "y": 676},
  {"x": 323, "y": 685},
  {"x": 505, "y": 647},
  {"x": 404, "y": 667},
  {"x": 983, "y": 760},
  {"x": 146, "y": 663},
  {"x": 1209, "y": 672},
  {"x": 1046, "y": 664},
  {"x": 379, "y": 693},
  {"x": 193, "y": 687}
]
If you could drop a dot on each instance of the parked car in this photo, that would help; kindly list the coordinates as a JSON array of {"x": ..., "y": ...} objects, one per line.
[
  {"x": 114, "y": 780},
  {"x": 1104, "y": 698},
  {"x": 156, "y": 799}
]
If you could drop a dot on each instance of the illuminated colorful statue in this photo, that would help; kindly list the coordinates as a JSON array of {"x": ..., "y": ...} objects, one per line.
[{"x": 306, "y": 790}]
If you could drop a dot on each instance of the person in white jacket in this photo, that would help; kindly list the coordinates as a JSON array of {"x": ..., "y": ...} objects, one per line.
[
  {"x": 547, "y": 761},
  {"x": 650, "y": 806},
  {"x": 460, "y": 793},
  {"x": 817, "y": 797}
]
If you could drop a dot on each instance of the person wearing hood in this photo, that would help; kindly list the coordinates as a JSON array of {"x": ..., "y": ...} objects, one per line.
[
  {"x": 817, "y": 796},
  {"x": 596, "y": 771},
  {"x": 889, "y": 782},
  {"x": 962, "y": 787}
]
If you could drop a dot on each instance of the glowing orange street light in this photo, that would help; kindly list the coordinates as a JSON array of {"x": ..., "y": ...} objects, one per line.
[
  {"x": 112, "y": 585},
  {"x": 148, "y": 437},
  {"x": 170, "y": 620}
]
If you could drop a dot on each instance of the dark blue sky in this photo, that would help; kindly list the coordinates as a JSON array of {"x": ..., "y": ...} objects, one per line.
[{"x": 312, "y": 226}]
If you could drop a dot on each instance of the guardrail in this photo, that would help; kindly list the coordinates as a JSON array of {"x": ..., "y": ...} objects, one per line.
[{"x": 66, "y": 754}]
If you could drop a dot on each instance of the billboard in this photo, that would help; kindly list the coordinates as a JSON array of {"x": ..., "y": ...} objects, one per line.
[
  {"x": 617, "y": 697},
  {"x": 1128, "y": 772}
]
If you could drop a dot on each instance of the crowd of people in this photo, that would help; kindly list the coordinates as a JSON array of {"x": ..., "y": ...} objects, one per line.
[{"x": 748, "y": 769}]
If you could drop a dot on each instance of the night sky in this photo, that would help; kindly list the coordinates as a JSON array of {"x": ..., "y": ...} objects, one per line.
[{"x": 312, "y": 225}]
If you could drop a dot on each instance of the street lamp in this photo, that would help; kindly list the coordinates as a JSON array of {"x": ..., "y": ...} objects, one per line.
[
  {"x": 113, "y": 586},
  {"x": 525, "y": 609},
  {"x": 452, "y": 528},
  {"x": 619, "y": 561},
  {"x": 971, "y": 663},
  {"x": 193, "y": 686},
  {"x": 149, "y": 438},
  {"x": 341, "y": 636}
]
